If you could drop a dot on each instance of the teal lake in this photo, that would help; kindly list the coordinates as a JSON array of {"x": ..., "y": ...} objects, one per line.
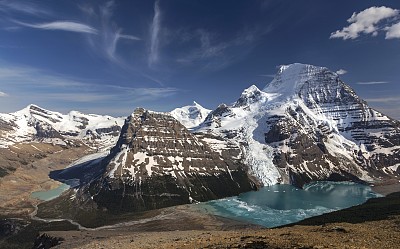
[
  {"x": 50, "y": 194},
  {"x": 284, "y": 204}
]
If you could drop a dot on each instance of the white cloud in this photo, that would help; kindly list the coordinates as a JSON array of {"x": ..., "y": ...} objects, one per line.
[
  {"x": 214, "y": 53},
  {"x": 341, "y": 71},
  {"x": 393, "y": 31},
  {"x": 365, "y": 22},
  {"x": 372, "y": 82},
  {"x": 79, "y": 97},
  {"x": 62, "y": 25},
  {"x": 23, "y": 7},
  {"x": 109, "y": 34},
  {"x": 129, "y": 37},
  {"x": 384, "y": 99},
  {"x": 154, "y": 35},
  {"x": 389, "y": 105},
  {"x": 34, "y": 85}
]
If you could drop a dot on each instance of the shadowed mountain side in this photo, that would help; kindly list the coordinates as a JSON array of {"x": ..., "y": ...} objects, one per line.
[{"x": 79, "y": 174}]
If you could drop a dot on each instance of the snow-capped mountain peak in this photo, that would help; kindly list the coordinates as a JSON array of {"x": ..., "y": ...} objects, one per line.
[
  {"x": 251, "y": 95},
  {"x": 191, "y": 115},
  {"x": 36, "y": 123},
  {"x": 290, "y": 79},
  {"x": 307, "y": 125}
]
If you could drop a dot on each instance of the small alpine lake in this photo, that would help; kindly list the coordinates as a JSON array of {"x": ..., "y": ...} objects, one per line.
[
  {"x": 55, "y": 192},
  {"x": 284, "y": 204}
]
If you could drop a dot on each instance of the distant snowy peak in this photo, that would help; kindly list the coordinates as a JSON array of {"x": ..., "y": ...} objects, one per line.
[
  {"x": 250, "y": 96},
  {"x": 36, "y": 123},
  {"x": 191, "y": 115}
]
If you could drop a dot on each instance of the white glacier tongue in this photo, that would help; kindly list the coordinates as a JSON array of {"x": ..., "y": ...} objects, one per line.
[
  {"x": 259, "y": 155},
  {"x": 240, "y": 124}
]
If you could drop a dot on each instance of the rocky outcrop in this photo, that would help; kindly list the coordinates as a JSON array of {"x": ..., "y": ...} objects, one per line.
[
  {"x": 45, "y": 241},
  {"x": 157, "y": 163}
]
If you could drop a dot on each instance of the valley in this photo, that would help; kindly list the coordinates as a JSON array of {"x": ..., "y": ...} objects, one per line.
[{"x": 140, "y": 173}]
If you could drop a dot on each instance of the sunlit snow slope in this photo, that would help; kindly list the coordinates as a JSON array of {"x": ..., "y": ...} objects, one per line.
[
  {"x": 37, "y": 124},
  {"x": 190, "y": 116},
  {"x": 307, "y": 125}
]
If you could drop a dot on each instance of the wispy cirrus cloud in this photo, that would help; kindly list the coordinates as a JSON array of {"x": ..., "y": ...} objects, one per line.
[
  {"x": 31, "y": 85},
  {"x": 368, "y": 22},
  {"x": 215, "y": 53},
  {"x": 34, "y": 81},
  {"x": 155, "y": 28},
  {"x": 61, "y": 25},
  {"x": 372, "y": 82},
  {"x": 109, "y": 34},
  {"x": 384, "y": 99},
  {"x": 101, "y": 31},
  {"x": 26, "y": 7},
  {"x": 388, "y": 105}
]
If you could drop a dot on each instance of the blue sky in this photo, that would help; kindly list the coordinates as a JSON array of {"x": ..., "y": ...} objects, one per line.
[{"x": 109, "y": 57}]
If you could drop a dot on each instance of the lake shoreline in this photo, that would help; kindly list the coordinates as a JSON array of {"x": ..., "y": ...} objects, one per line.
[
  {"x": 187, "y": 222},
  {"x": 387, "y": 187},
  {"x": 373, "y": 224}
]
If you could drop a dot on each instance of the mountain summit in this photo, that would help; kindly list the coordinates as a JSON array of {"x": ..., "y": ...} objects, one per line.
[
  {"x": 34, "y": 123},
  {"x": 191, "y": 115},
  {"x": 306, "y": 125}
]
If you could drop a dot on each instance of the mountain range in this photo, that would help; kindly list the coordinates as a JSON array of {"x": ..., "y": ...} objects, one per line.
[{"x": 305, "y": 125}]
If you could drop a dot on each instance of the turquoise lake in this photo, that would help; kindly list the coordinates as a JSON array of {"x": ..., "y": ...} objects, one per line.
[
  {"x": 50, "y": 194},
  {"x": 283, "y": 204}
]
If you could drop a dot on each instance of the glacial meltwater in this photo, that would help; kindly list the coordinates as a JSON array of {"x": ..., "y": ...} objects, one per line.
[
  {"x": 50, "y": 194},
  {"x": 283, "y": 204}
]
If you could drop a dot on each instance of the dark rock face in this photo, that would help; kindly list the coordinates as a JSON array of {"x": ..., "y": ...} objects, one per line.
[
  {"x": 45, "y": 241},
  {"x": 367, "y": 139},
  {"x": 44, "y": 130},
  {"x": 157, "y": 163},
  {"x": 113, "y": 130},
  {"x": 10, "y": 227},
  {"x": 222, "y": 111}
]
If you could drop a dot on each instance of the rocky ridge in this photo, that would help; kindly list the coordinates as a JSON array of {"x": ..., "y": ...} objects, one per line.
[
  {"x": 35, "y": 124},
  {"x": 157, "y": 162}
]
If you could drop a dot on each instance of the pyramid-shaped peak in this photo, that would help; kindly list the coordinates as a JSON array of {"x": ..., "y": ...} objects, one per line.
[
  {"x": 291, "y": 78},
  {"x": 250, "y": 90},
  {"x": 249, "y": 95},
  {"x": 299, "y": 67}
]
